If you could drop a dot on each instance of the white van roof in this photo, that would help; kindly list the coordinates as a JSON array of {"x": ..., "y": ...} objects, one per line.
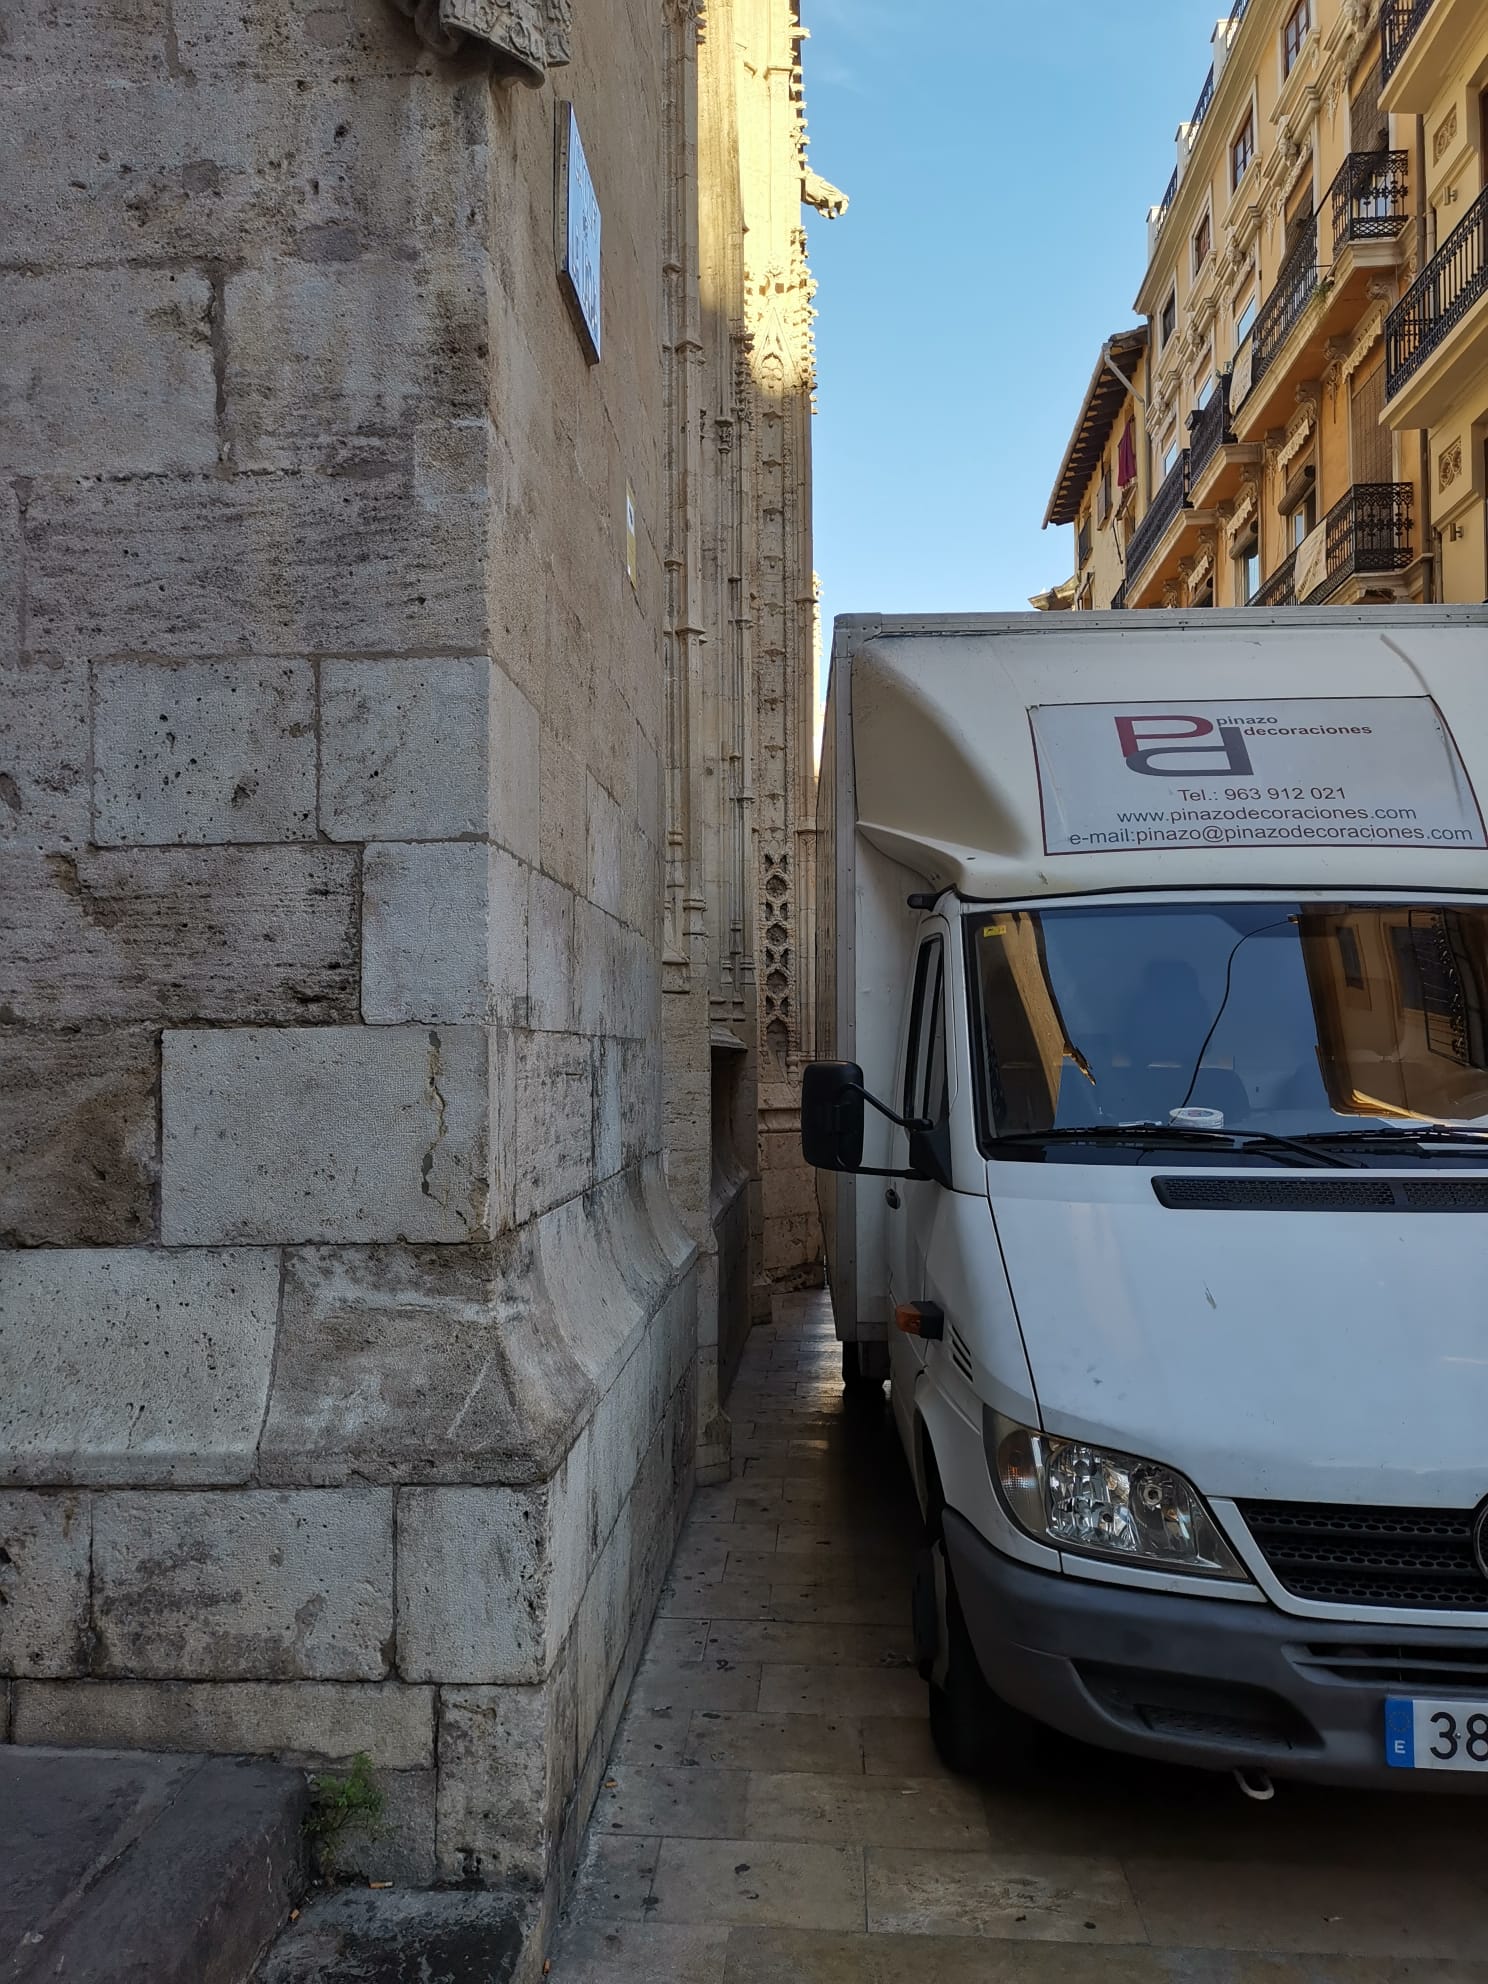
[{"x": 1027, "y": 754}]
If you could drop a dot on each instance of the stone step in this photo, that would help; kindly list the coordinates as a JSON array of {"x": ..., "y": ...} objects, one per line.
[
  {"x": 358, "y": 1936},
  {"x": 134, "y": 1868}
]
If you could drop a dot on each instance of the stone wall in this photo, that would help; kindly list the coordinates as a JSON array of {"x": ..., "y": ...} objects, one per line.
[{"x": 347, "y": 1331}]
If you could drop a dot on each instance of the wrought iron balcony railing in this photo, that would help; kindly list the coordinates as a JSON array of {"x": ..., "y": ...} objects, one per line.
[
  {"x": 1451, "y": 283},
  {"x": 1279, "y": 314},
  {"x": 1171, "y": 497},
  {"x": 1368, "y": 532},
  {"x": 1281, "y": 588},
  {"x": 1399, "y": 22},
  {"x": 1369, "y": 198},
  {"x": 1209, "y": 429},
  {"x": 1118, "y": 598}
]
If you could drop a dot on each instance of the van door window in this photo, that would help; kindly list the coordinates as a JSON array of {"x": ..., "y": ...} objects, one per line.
[{"x": 926, "y": 1090}]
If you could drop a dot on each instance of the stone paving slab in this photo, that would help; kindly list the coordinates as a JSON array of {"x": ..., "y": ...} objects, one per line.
[{"x": 775, "y": 1809}]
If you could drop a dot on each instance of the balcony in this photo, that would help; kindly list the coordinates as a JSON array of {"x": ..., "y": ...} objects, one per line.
[
  {"x": 1369, "y": 199},
  {"x": 1425, "y": 45},
  {"x": 1217, "y": 462},
  {"x": 1171, "y": 497},
  {"x": 1201, "y": 111},
  {"x": 1286, "y": 332},
  {"x": 1281, "y": 588},
  {"x": 1366, "y": 539},
  {"x": 1436, "y": 337},
  {"x": 1400, "y": 22},
  {"x": 1162, "y": 537}
]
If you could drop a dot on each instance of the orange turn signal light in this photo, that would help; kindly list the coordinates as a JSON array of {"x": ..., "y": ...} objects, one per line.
[{"x": 922, "y": 1319}]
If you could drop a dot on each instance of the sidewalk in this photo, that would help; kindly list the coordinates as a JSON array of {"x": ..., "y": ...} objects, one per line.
[{"x": 774, "y": 1808}]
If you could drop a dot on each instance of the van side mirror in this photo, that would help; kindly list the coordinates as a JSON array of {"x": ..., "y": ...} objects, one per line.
[{"x": 832, "y": 1115}]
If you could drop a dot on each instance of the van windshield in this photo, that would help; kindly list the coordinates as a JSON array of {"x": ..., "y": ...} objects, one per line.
[{"x": 1291, "y": 1018}]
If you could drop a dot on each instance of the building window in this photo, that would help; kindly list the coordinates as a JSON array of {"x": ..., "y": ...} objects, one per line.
[
  {"x": 1201, "y": 244},
  {"x": 1242, "y": 151},
  {"x": 1203, "y": 383},
  {"x": 1245, "y": 316},
  {"x": 1170, "y": 452},
  {"x": 1294, "y": 34},
  {"x": 1303, "y": 521},
  {"x": 1082, "y": 542},
  {"x": 1170, "y": 317},
  {"x": 1247, "y": 569},
  {"x": 1103, "y": 497}
]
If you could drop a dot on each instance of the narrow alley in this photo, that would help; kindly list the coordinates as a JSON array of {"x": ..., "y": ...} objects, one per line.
[{"x": 774, "y": 1808}]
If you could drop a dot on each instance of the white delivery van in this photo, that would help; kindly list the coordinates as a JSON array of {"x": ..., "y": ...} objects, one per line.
[{"x": 1154, "y": 1166}]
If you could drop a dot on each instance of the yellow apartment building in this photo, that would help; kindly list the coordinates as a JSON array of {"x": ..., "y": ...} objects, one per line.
[
  {"x": 1303, "y": 416},
  {"x": 1434, "y": 76}
]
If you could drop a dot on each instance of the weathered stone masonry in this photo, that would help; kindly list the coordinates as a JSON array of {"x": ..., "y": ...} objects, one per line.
[
  {"x": 347, "y": 1331},
  {"x": 406, "y": 894}
]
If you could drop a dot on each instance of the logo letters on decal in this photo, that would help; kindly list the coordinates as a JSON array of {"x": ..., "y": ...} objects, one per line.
[{"x": 1142, "y": 743}]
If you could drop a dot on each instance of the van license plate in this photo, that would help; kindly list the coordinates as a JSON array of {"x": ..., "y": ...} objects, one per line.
[{"x": 1436, "y": 1735}]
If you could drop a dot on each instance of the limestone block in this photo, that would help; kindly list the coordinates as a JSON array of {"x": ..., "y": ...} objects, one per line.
[
  {"x": 327, "y": 560},
  {"x": 289, "y": 38},
  {"x": 641, "y": 885},
  {"x": 444, "y": 932},
  {"x": 129, "y": 390},
  {"x": 404, "y": 749},
  {"x": 474, "y": 1567},
  {"x": 563, "y": 828},
  {"x": 259, "y": 1584},
  {"x": 515, "y": 760},
  {"x": 420, "y": 1364},
  {"x": 616, "y": 976},
  {"x": 605, "y": 836},
  {"x": 78, "y": 1136},
  {"x": 400, "y": 1846},
  {"x": 185, "y": 173},
  {"x": 627, "y": 1104},
  {"x": 180, "y": 934},
  {"x": 550, "y": 955},
  {"x": 114, "y": 38},
  {"x": 324, "y": 1133},
  {"x": 43, "y": 742},
  {"x": 352, "y": 345},
  {"x": 308, "y": 1722},
  {"x": 208, "y": 751},
  {"x": 44, "y": 1543},
  {"x": 495, "y": 1801},
  {"x": 554, "y": 1129},
  {"x": 121, "y": 1365}
]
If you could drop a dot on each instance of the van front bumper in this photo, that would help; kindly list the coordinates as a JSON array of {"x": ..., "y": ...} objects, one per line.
[{"x": 1201, "y": 1681}]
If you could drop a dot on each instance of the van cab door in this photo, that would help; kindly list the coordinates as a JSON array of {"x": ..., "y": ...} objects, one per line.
[{"x": 923, "y": 1092}]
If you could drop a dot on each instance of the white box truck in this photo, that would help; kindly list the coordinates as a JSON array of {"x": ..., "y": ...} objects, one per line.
[{"x": 1153, "y": 1151}]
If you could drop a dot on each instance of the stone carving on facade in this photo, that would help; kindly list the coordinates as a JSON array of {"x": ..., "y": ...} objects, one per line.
[
  {"x": 1446, "y": 136},
  {"x": 528, "y": 37},
  {"x": 1449, "y": 465}
]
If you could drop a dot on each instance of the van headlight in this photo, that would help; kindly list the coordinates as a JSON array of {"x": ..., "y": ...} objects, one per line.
[{"x": 1080, "y": 1497}]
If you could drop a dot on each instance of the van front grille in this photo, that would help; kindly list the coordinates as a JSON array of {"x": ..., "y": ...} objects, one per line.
[
  {"x": 1420, "y": 1559},
  {"x": 1442, "y": 1670}
]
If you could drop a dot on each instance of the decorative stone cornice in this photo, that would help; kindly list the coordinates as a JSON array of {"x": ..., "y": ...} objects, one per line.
[{"x": 528, "y": 37}]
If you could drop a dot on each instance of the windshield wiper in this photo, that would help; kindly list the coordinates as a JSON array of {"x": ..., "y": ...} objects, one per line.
[
  {"x": 1302, "y": 1150},
  {"x": 1391, "y": 1133}
]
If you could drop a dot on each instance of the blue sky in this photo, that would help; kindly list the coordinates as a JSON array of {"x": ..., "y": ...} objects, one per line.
[{"x": 1000, "y": 156}]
